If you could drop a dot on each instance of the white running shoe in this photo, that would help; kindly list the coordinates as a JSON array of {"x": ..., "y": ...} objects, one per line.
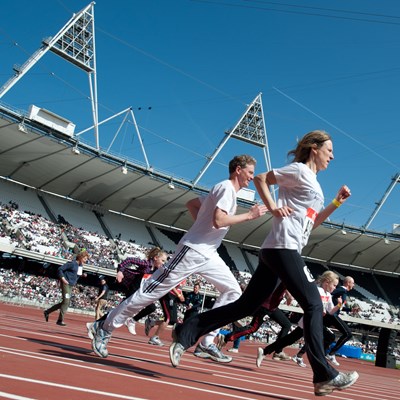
[
  {"x": 176, "y": 351},
  {"x": 100, "y": 340},
  {"x": 260, "y": 357},
  {"x": 130, "y": 324},
  {"x": 282, "y": 356},
  {"x": 201, "y": 351},
  {"x": 332, "y": 359},
  {"x": 299, "y": 361},
  {"x": 233, "y": 350},
  {"x": 90, "y": 330},
  {"x": 340, "y": 382},
  {"x": 216, "y": 354},
  {"x": 156, "y": 341}
]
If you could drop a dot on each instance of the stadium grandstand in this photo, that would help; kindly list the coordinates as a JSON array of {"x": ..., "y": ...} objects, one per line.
[{"x": 59, "y": 195}]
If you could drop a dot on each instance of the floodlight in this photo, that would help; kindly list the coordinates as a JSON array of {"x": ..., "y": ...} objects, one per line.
[{"x": 75, "y": 150}]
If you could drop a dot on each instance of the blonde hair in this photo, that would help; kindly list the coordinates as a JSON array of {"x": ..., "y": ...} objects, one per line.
[
  {"x": 327, "y": 276},
  {"x": 155, "y": 252},
  {"x": 311, "y": 140}
]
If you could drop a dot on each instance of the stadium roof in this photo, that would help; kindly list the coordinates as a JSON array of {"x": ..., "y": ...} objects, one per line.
[{"x": 46, "y": 159}]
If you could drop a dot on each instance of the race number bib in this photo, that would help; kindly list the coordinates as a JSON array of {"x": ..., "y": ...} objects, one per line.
[{"x": 309, "y": 221}]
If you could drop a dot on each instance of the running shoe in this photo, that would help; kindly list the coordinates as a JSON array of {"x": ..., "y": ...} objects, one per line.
[
  {"x": 46, "y": 315},
  {"x": 216, "y": 354},
  {"x": 299, "y": 361},
  {"x": 156, "y": 341},
  {"x": 176, "y": 351},
  {"x": 201, "y": 351},
  {"x": 332, "y": 359},
  {"x": 130, "y": 324},
  {"x": 100, "y": 339},
  {"x": 233, "y": 350},
  {"x": 342, "y": 381},
  {"x": 280, "y": 356},
  {"x": 260, "y": 357},
  {"x": 90, "y": 330}
]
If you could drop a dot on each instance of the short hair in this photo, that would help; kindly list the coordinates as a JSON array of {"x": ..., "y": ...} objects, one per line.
[
  {"x": 81, "y": 255},
  {"x": 347, "y": 280},
  {"x": 241, "y": 161},
  {"x": 311, "y": 140}
]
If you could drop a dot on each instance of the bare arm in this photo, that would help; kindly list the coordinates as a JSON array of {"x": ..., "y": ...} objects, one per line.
[
  {"x": 222, "y": 219},
  {"x": 289, "y": 298},
  {"x": 103, "y": 292},
  {"x": 120, "y": 276},
  {"x": 262, "y": 183},
  {"x": 337, "y": 307},
  {"x": 178, "y": 294},
  {"x": 342, "y": 195}
]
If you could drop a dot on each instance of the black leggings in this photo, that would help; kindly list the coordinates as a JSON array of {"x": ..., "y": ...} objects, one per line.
[
  {"x": 297, "y": 334},
  {"x": 341, "y": 326},
  {"x": 258, "y": 318},
  {"x": 169, "y": 308},
  {"x": 274, "y": 264},
  {"x": 329, "y": 338}
]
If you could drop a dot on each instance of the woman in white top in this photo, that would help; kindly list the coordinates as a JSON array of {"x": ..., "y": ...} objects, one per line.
[{"x": 298, "y": 210}]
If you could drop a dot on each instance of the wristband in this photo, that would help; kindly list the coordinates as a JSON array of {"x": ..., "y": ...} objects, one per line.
[{"x": 336, "y": 203}]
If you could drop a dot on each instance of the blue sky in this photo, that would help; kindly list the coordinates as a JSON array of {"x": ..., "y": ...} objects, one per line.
[{"x": 193, "y": 66}]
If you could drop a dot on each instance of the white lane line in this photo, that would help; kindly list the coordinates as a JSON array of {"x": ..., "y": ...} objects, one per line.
[
  {"x": 17, "y": 352},
  {"x": 76, "y": 388},
  {"x": 268, "y": 383},
  {"x": 13, "y": 396},
  {"x": 281, "y": 396}
]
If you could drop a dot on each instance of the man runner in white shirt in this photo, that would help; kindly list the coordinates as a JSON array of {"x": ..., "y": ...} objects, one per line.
[{"x": 196, "y": 253}]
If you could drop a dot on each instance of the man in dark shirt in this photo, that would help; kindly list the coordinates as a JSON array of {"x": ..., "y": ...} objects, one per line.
[
  {"x": 193, "y": 301},
  {"x": 68, "y": 275},
  {"x": 101, "y": 299}
]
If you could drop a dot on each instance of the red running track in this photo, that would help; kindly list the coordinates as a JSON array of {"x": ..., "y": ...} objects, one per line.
[{"x": 40, "y": 360}]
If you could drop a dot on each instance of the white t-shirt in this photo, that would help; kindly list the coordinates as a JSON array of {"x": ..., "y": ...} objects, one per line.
[
  {"x": 203, "y": 236},
  {"x": 326, "y": 298},
  {"x": 327, "y": 304},
  {"x": 300, "y": 190}
]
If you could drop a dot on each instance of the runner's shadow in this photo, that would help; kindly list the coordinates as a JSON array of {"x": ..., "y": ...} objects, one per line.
[{"x": 76, "y": 353}]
